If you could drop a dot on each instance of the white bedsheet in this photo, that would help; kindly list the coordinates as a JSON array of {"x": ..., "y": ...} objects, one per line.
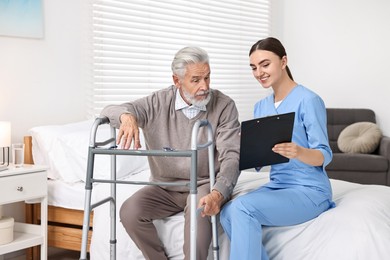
[
  {"x": 358, "y": 228},
  {"x": 66, "y": 195}
]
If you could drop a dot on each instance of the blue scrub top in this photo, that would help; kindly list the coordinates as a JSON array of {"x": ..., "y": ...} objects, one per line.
[{"x": 310, "y": 131}]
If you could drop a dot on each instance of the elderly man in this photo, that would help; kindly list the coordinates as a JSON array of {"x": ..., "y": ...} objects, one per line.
[{"x": 166, "y": 118}]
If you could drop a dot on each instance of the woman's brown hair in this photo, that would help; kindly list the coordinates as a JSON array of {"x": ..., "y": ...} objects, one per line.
[{"x": 273, "y": 45}]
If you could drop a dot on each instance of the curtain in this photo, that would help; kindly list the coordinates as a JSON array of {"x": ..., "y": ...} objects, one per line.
[{"x": 131, "y": 45}]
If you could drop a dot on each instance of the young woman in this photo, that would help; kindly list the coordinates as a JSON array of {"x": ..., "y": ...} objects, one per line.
[{"x": 298, "y": 190}]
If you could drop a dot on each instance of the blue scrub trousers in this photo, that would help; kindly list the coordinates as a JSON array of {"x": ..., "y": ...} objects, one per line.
[{"x": 243, "y": 217}]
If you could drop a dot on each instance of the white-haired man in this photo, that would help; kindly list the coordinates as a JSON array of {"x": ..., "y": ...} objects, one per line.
[{"x": 166, "y": 118}]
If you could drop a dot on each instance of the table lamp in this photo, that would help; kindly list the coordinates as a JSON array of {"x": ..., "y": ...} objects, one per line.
[{"x": 5, "y": 142}]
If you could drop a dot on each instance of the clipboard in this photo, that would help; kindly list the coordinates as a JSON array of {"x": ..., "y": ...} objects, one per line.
[{"x": 259, "y": 135}]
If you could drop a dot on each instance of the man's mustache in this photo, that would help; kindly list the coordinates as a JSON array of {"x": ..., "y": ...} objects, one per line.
[{"x": 202, "y": 93}]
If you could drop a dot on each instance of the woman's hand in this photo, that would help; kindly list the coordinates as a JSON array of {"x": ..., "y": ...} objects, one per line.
[
  {"x": 128, "y": 132},
  {"x": 309, "y": 156},
  {"x": 289, "y": 150}
]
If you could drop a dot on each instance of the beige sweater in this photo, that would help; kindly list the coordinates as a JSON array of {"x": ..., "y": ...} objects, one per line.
[{"x": 163, "y": 126}]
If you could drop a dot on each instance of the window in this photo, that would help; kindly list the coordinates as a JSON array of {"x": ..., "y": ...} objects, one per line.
[{"x": 133, "y": 43}]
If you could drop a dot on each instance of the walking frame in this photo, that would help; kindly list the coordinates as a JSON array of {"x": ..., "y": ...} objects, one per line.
[{"x": 98, "y": 148}]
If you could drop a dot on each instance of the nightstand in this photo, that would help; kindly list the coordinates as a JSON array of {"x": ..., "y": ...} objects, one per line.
[{"x": 27, "y": 183}]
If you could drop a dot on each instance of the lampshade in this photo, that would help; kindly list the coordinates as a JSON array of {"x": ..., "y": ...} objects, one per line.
[{"x": 5, "y": 134}]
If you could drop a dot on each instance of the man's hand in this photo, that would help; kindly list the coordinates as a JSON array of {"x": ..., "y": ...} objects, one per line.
[
  {"x": 128, "y": 132},
  {"x": 212, "y": 203}
]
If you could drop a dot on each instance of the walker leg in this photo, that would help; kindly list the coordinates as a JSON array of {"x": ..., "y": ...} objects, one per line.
[
  {"x": 113, "y": 209},
  {"x": 215, "y": 237},
  {"x": 84, "y": 240},
  {"x": 87, "y": 205},
  {"x": 193, "y": 224},
  {"x": 212, "y": 182}
]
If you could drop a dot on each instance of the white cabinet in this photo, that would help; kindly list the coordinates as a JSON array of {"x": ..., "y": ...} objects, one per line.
[{"x": 27, "y": 183}]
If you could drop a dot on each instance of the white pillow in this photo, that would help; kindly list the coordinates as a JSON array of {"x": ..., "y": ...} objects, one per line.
[
  {"x": 75, "y": 146},
  {"x": 64, "y": 148},
  {"x": 46, "y": 149}
]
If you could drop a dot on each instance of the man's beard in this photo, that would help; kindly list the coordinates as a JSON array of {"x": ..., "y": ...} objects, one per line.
[{"x": 194, "y": 101}]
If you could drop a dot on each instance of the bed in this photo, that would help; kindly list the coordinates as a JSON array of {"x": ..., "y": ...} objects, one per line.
[{"x": 357, "y": 228}]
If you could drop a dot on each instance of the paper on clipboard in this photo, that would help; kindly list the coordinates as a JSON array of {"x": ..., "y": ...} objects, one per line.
[{"x": 259, "y": 135}]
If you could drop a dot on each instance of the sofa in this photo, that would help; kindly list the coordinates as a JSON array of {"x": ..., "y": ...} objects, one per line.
[{"x": 364, "y": 168}]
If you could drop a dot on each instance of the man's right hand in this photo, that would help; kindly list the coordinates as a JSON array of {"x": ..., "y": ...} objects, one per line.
[{"x": 128, "y": 132}]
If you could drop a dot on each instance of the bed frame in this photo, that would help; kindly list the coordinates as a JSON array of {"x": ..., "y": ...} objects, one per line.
[{"x": 64, "y": 225}]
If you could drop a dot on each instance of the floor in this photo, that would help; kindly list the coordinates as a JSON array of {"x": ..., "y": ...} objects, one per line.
[
  {"x": 61, "y": 254},
  {"x": 55, "y": 254}
]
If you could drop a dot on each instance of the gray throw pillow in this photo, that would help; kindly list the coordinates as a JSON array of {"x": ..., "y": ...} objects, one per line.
[{"x": 361, "y": 137}]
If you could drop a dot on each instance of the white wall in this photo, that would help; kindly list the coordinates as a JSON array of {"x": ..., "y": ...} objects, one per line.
[
  {"x": 339, "y": 49},
  {"x": 41, "y": 79}
]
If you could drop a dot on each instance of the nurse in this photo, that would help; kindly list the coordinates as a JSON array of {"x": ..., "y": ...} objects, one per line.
[{"x": 298, "y": 190}]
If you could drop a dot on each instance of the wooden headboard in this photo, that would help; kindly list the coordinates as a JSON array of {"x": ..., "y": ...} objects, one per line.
[{"x": 28, "y": 158}]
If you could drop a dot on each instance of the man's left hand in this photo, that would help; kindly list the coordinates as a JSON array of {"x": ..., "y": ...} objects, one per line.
[{"x": 212, "y": 203}]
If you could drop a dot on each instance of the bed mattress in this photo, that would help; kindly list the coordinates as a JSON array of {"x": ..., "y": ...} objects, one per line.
[{"x": 66, "y": 195}]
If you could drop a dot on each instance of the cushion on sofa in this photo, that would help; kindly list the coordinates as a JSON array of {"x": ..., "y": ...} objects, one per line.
[{"x": 361, "y": 137}]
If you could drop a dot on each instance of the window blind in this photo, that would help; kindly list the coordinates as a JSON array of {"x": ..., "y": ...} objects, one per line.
[{"x": 132, "y": 44}]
